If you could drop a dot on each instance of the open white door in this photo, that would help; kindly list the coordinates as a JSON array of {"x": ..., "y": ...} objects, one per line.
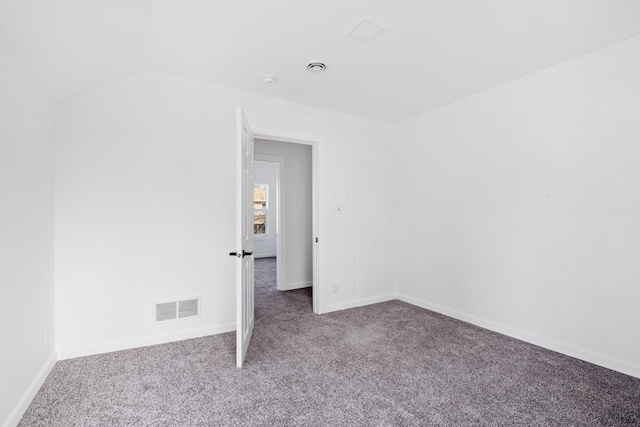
[{"x": 244, "y": 242}]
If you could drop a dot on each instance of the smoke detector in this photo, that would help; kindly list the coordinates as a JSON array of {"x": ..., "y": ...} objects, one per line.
[
  {"x": 269, "y": 80},
  {"x": 316, "y": 66}
]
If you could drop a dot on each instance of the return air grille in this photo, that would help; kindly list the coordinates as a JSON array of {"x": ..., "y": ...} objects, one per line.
[
  {"x": 165, "y": 311},
  {"x": 172, "y": 310},
  {"x": 188, "y": 308}
]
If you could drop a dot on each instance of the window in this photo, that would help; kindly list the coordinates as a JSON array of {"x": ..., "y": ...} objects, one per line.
[{"x": 260, "y": 209}]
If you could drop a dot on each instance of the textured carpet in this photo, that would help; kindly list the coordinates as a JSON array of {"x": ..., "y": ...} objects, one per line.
[{"x": 389, "y": 364}]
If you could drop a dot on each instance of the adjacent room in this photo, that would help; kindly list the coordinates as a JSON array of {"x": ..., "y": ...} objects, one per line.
[{"x": 432, "y": 211}]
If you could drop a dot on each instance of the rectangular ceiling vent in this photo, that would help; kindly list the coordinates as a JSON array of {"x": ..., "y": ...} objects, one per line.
[
  {"x": 366, "y": 31},
  {"x": 181, "y": 309}
]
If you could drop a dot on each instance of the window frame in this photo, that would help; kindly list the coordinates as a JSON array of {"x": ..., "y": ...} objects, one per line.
[{"x": 265, "y": 235}]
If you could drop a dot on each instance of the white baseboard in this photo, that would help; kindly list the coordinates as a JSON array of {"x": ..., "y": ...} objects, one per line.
[
  {"x": 339, "y": 306},
  {"x": 18, "y": 411},
  {"x": 145, "y": 341},
  {"x": 578, "y": 353},
  {"x": 376, "y": 299},
  {"x": 358, "y": 303},
  {"x": 292, "y": 286},
  {"x": 264, "y": 255}
]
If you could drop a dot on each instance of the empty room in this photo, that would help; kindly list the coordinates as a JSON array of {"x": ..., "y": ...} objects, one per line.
[{"x": 336, "y": 213}]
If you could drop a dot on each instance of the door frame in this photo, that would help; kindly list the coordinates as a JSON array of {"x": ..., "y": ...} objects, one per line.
[
  {"x": 281, "y": 230},
  {"x": 317, "y": 288}
]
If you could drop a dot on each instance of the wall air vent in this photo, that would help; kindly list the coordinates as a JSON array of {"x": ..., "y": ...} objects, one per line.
[
  {"x": 188, "y": 308},
  {"x": 180, "y": 309},
  {"x": 166, "y": 311}
]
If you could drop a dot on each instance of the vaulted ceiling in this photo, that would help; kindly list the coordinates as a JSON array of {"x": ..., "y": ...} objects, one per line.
[{"x": 430, "y": 54}]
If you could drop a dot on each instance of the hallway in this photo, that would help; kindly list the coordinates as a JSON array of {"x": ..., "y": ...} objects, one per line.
[{"x": 273, "y": 305}]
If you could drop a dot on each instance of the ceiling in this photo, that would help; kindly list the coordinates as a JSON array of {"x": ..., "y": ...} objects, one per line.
[{"x": 431, "y": 53}]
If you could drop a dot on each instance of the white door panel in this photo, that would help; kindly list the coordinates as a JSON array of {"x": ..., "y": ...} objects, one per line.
[{"x": 245, "y": 242}]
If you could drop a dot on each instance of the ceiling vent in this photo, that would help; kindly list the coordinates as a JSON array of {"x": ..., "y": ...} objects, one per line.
[
  {"x": 269, "y": 80},
  {"x": 316, "y": 67},
  {"x": 366, "y": 31}
]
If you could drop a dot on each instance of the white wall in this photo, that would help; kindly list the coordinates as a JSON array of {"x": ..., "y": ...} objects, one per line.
[
  {"x": 376, "y": 206},
  {"x": 298, "y": 213},
  {"x": 517, "y": 208},
  {"x": 145, "y": 206},
  {"x": 266, "y": 245},
  {"x": 26, "y": 240}
]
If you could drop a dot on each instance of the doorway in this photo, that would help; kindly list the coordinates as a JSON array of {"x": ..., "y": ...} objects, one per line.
[{"x": 283, "y": 221}]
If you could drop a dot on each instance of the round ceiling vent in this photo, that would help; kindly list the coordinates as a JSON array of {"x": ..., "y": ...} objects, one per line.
[
  {"x": 316, "y": 67},
  {"x": 269, "y": 80}
]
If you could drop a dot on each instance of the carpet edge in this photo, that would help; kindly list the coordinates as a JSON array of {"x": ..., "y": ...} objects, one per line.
[
  {"x": 145, "y": 341},
  {"x": 568, "y": 350}
]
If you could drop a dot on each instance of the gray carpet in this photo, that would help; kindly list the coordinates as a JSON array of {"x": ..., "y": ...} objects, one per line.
[{"x": 389, "y": 364}]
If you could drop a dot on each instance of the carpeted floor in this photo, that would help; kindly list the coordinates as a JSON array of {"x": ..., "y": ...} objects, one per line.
[{"x": 389, "y": 364}]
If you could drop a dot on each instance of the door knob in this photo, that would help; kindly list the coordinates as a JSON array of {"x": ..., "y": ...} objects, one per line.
[{"x": 244, "y": 254}]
